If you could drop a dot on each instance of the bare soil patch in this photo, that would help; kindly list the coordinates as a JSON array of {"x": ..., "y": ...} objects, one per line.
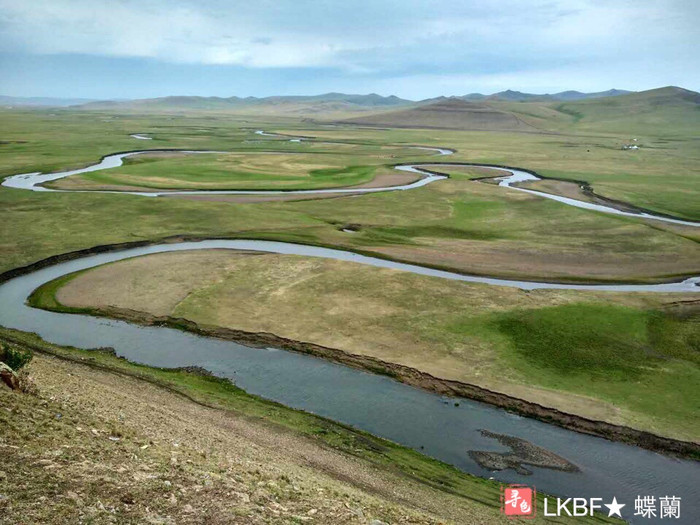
[
  {"x": 571, "y": 190},
  {"x": 116, "y": 449}
]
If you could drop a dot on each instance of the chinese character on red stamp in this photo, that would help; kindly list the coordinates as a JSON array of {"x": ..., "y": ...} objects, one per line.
[{"x": 518, "y": 501}]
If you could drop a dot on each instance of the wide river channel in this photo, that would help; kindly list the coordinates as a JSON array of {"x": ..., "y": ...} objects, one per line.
[{"x": 377, "y": 404}]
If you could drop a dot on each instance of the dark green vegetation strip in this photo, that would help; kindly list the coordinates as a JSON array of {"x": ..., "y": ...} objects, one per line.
[
  {"x": 14, "y": 356},
  {"x": 45, "y": 295},
  {"x": 609, "y": 341}
]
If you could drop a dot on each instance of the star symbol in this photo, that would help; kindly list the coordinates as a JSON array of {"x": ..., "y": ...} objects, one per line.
[{"x": 614, "y": 508}]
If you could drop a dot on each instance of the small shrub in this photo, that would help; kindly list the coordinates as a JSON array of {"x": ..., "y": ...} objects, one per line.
[{"x": 15, "y": 357}]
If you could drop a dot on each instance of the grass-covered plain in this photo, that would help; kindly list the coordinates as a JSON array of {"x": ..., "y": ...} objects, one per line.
[
  {"x": 627, "y": 359},
  {"x": 458, "y": 223},
  {"x": 662, "y": 175},
  {"x": 311, "y": 167},
  {"x": 468, "y": 226}
]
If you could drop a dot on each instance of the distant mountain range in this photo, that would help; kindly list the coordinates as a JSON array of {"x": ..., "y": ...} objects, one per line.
[
  {"x": 42, "y": 101},
  {"x": 564, "y": 96},
  {"x": 671, "y": 108},
  {"x": 361, "y": 100},
  {"x": 329, "y": 101},
  {"x": 491, "y": 108},
  {"x": 336, "y": 101}
]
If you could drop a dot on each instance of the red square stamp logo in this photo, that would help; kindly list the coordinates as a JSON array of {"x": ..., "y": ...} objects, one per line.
[{"x": 518, "y": 501}]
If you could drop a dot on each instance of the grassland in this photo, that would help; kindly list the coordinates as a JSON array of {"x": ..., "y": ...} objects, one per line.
[
  {"x": 661, "y": 176},
  {"x": 629, "y": 359},
  {"x": 324, "y": 167},
  {"x": 468, "y": 226},
  {"x": 458, "y": 223},
  {"x": 624, "y": 358}
]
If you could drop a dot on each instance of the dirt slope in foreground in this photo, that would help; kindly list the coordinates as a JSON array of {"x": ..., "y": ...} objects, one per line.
[{"x": 104, "y": 448}]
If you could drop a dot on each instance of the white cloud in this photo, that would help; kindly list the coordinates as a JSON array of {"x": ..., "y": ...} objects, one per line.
[
  {"x": 187, "y": 32},
  {"x": 373, "y": 37}
]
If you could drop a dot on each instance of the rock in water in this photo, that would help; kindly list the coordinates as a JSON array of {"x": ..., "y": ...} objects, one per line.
[{"x": 521, "y": 453}]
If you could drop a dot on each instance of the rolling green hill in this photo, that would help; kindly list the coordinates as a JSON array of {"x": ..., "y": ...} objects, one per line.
[
  {"x": 664, "y": 111},
  {"x": 668, "y": 110},
  {"x": 448, "y": 113}
]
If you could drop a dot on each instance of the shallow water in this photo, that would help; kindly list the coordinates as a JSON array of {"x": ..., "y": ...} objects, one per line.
[
  {"x": 521, "y": 176},
  {"x": 34, "y": 181},
  {"x": 415, "y": 418}
]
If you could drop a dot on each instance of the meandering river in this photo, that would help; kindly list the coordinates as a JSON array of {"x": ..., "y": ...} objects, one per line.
[
  {"x": 35, "y": 181},
  {"x": 424, "y": 421}
]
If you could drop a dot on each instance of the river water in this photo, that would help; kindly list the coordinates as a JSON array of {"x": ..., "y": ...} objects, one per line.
[
  {"x": 377, "y": 404},
  {"x": 34, "y": 181},
  {"x": 418, "y": 419}
]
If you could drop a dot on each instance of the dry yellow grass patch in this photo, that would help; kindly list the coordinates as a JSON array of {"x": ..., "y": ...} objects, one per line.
[{"x": 388, "y": 314}]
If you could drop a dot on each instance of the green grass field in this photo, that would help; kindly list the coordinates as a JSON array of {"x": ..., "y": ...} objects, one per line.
[
  {"x": 662, "y": 175},
  {"x": 257, "y": 171},
  {"x": 459, "y": 224},
  {"x": 484, "y": 229},
  {"x": 625, "y": 358}
]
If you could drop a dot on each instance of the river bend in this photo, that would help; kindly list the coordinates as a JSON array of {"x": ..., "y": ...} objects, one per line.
[
  {"x": 422, "y": 420},
  {"x": 35, "y": 181}
]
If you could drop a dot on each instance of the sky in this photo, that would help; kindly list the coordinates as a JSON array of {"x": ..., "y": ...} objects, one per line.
[{"x": 414, "y": 49}]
